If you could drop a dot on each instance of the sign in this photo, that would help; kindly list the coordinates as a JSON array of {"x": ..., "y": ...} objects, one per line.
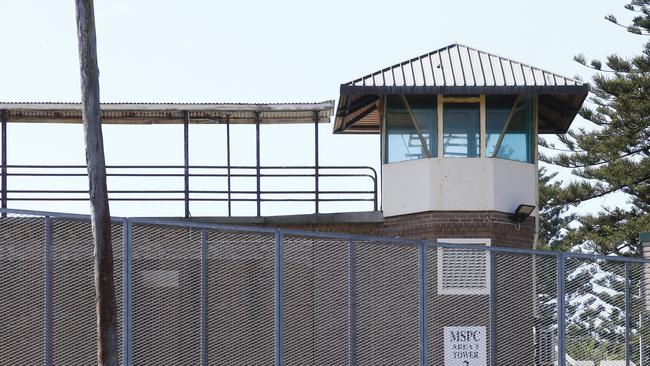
[{"x": 465, "y": 346}]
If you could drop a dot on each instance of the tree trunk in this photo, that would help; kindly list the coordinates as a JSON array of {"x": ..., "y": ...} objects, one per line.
[{"x": 99, "y": 210}]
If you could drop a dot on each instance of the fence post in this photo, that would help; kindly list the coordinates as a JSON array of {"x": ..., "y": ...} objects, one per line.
[
  {"x": 628, "y": 314},
  {"x": 204, "y": 297},
  {"x": 352, "y": 304},
  {"x": 279, "y": 298},
  {"x": 493, "y": 308},
  {"x": 48, "y": 293},
  {"x": 561, "y": 310},
  {"x": 127, "y": 231},
  {"x": 424, "y": 352}
]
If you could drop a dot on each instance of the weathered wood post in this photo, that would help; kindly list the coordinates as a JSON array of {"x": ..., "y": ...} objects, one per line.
[{"x": 99, "y": 211}]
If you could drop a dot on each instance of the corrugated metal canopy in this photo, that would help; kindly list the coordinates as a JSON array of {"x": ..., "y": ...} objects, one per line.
[
  {"x": 171, "y": 113},
  {"x": 460, "y": 70}
]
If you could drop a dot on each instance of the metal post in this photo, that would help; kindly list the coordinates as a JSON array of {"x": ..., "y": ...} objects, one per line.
[
  {"x": 204, "y": 297},
  {"x": 352, "y": 304},
  {"x": 628, "y": 314},
  {"x": 423, "y": 303},
  {"x": 3, "y": 121},
  {"x": 228, "y": 163},
  {"x": 127, "y": 230},
  {"x": 316, "y": 167},
  {"x": 279, "y": 298},
  {"x": 48, "y": 293},
  {"x": 257, "y": 161},
  {"x": 186, "y": 162},
  {"x": 561, "y": 310},
  {"x": 375, "y": 201},
  {"x": 493, "y": 308}
]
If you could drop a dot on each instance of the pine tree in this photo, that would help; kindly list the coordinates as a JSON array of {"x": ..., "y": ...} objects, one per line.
[{"x": 614, "y": 155}]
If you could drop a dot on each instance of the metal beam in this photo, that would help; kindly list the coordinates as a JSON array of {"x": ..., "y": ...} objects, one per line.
[
  {"x": 561, "y": 310},
  {"x": 352, "y": 304},
  {"x": 204, "y": 298},
  {"x": 48, "y": 301},
  {"x": 228, "y": 164},
  {"x": 316, "y": 167},
  {"x": 279, "y": 298},
  {"x": 127, "y": 288},
  {"x": 257, "y": 162},
  {"x": 186, "y": 162},
  {"x": 628, "y": 314},
  {"x": 493, "y": 308},
  {"x": 423, "y": 303},
  {"x": 3, "y": 122}
]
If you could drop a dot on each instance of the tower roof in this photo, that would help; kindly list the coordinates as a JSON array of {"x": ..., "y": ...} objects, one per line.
[{"x": 460, "y": 70}]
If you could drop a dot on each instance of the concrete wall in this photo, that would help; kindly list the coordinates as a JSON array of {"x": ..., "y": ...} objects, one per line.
[{"x": 463, "y": 184}]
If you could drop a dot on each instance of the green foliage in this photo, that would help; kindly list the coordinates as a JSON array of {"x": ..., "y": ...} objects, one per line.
[{"x": 611, "y": 156}]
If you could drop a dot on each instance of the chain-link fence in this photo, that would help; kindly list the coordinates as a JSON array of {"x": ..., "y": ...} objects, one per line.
[{"x": 204, "y": 294}]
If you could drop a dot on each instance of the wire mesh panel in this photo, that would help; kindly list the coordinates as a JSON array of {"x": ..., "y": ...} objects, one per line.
[
  {"x": 315, "y": 301},
  {"x": 240, "y": 298},
  {"x": 22, "y": 306},
  {"x": 639, "y": 332},
  {"x": 458, "y": 295},
  {"x": 595, "y": 310},
  {"x": 166, "y": 295},
  {"x": 544, "y": 270},
  {"x": 387, "y": 304},
  {"x": 74, "y": 321},
  {"x": 515, "y": 309}
]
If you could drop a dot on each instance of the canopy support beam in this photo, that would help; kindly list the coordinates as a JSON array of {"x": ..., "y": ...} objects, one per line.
[
  {"x": 316, "y": 167},
  {"x": 186, "y": 162}
]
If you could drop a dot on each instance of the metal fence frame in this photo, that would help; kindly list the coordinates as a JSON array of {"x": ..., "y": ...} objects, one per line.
[{"x": 422, "y": 245}]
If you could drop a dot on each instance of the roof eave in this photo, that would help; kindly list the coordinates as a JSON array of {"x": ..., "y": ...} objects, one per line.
[{"x": 464, "y": 90}]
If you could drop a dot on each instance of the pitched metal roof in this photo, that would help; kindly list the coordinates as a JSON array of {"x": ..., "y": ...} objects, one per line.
[
  {"x": 171, "y": 113},
  {"x": 459, "y": 69}
]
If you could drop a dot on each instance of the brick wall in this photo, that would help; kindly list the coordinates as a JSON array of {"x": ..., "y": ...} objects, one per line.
[{"x": 442, "y": 224}]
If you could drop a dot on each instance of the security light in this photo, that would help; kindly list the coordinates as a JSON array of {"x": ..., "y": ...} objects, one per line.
[{"x": 522, "y": 212}]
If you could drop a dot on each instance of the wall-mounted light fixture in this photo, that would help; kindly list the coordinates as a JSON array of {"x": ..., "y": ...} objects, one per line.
[{"x": 522, "y": 212}]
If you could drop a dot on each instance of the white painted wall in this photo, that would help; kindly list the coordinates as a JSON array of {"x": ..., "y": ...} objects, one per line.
[{"x": 457, "y": 184}]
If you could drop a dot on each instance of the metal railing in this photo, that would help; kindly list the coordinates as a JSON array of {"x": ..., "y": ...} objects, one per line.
[
  {"x": 186, "y": 187},
  {"x": 202, "y": 294}
]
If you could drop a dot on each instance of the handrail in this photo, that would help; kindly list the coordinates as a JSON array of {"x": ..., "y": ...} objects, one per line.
[{"x": 369, "y": 194}]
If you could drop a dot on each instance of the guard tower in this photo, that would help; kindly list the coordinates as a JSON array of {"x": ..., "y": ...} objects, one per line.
[{"x": 458, "y": 133}]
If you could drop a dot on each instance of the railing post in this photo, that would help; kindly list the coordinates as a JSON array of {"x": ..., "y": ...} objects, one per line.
[
  {"x": 257, "y": 162},
  {"x": 352, "y": 304},
  {"x": 423, "y": 303},
  {"x": 561, "y": 310},
  {"x": 186, "y": 162},
  {"x": 204, "y": 297},
  {"x": 375, "y": 200},
  {"x": 127, "y": 290},
  {"x": 628, "y": 314},
  {"x": 316, "y": 167},
  {"x": 3, "y": 122},
  {"x": 228, "y": 164},
  {"x": 493, "y": 308},
  {"x": 279, "y": 298},
  {"x": 48, "y": 294}
]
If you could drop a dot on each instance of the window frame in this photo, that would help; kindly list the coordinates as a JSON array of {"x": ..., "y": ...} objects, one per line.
[{"x": 481, "y": 100}]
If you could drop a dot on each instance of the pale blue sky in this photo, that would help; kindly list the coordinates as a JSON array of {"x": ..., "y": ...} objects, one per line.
[{"x": 263, "y": 51}]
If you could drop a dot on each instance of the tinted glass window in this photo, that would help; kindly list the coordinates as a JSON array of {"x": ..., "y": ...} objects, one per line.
[
  {"x": 461, "y": 130},
  {"x": 407, "y": 135},
  {"x": 509, "y": 128}
]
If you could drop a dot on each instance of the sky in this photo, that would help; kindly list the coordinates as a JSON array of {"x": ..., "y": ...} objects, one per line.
[{"x": 260, "y": 52}]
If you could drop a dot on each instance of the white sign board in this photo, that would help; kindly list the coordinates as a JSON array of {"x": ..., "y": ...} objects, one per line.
[{"x": 465, "y": 346}]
